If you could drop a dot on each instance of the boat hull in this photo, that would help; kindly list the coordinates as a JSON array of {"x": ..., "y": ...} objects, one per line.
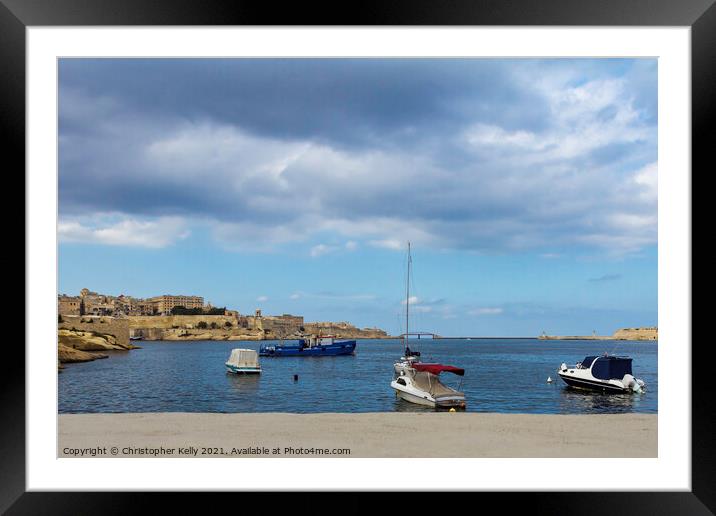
[
  {"x": 242, "y": 370},
  {"x": 591, "y": 385},
  {"x": 423, "y": 398},
  {"x": 340, "y": 348},
  {"x": 414, "y": 398}
]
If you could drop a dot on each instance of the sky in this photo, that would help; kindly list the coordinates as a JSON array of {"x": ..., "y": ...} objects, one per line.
[{"x": 526, "y": 187}]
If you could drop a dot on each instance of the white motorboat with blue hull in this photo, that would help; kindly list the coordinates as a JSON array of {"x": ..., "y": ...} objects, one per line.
[{"x": 609, "y": 374}]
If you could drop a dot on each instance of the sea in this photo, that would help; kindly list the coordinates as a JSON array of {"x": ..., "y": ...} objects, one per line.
[{"x": 501, "y": 375}]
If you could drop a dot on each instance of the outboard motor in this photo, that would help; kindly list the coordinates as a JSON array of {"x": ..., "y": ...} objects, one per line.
[
  {"x": 640, "y": 385},
  {"x": 632, "y": 383}
]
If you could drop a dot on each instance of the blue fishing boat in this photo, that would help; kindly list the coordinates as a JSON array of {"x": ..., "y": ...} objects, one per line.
[{"x": 326, "y": 346}]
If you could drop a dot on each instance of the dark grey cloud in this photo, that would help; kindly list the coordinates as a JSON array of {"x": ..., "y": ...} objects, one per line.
[{"x": 341, "y": 101}]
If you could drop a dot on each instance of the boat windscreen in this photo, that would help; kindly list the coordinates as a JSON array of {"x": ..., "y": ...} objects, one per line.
[
  {"x": 608, "y": 368},
  {"x": 587, "y": 362}
]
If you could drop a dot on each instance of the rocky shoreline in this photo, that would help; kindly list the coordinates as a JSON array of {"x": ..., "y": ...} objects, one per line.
[{"x": 75, "y": 345}]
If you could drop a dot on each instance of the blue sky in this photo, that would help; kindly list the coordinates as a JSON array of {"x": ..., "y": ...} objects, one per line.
[{"x": 528, "y": 188}]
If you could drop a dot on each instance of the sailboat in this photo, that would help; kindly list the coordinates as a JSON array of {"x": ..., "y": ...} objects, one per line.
[
  {"x": 409, "y": 357},
  {"x": 418, "y": 382}
]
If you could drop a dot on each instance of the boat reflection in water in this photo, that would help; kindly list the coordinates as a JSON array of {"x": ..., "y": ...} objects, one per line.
[{"x": 595, "y": 402}]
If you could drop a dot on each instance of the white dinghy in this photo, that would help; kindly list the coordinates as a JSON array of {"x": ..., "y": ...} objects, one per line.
[{"x": 243, "y": 361}]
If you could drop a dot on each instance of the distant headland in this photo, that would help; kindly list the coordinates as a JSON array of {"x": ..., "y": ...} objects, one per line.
[{"x": 647, "y": 333}]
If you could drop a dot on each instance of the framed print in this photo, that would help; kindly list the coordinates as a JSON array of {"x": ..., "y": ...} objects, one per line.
[{"x": 437, "y": 249}]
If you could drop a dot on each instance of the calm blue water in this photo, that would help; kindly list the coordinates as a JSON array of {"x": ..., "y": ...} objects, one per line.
[{"x": 501, "y": 376}]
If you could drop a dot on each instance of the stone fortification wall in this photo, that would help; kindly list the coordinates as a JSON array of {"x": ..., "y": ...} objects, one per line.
[{"x": 188, "y": 322}]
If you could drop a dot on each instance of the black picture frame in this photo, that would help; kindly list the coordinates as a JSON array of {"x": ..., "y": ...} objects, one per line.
[{"x": 700, "y": 15}]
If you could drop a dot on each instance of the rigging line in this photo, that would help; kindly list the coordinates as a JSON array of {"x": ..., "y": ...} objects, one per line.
[
  {"x": 616, "y": 345},
  {"x": 407, "y": 298}
]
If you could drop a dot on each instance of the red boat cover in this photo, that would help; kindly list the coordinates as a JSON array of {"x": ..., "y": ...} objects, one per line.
[{"x": 438, "y": 368}]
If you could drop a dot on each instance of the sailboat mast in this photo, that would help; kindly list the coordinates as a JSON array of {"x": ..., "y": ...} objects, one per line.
[{"x": 407, "y": 298}]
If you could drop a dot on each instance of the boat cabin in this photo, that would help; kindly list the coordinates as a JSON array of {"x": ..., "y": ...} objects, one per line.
[{"x": 607, "y": 367}]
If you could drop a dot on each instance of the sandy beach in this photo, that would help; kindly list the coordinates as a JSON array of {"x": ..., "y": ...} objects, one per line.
[{"x": 357, "y": 435}]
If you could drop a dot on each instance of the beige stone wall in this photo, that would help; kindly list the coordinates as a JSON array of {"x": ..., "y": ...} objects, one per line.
[
  {"x": 184, "y": 327},
  {"x": 188, "y": 322},
  {"x": 118, "y": 328}
]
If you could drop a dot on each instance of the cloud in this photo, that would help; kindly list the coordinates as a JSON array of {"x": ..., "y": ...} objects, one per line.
[
  {"x": 393, "y": 245},
  {"x": 425, "y": 306},
  {"x": 262, "y": 299},
  {"x": 485, "y": 311},
  {"x": 483, "y": 155},
  {"x": 606, "y": 277},
  {"x": 158, "y": 233},
  {"x": 321, "y": 249},
  {"x": 646, "y": 180}
]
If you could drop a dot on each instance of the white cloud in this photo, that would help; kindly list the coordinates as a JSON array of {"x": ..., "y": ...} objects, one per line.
[
  {"x": 157, "y": 233},
  {"x": 321, "y": 249},
  {"x": 647, "y": 179},
  {"x": 485, "y": 311},
  {"x": 394, "y": 245},
  {"x": 262, "y": 299}
]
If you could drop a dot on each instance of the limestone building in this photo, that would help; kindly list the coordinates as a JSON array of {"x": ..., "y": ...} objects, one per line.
[
  {"x": 69, "y": 305},
  {"x": 164, "y": 304}
]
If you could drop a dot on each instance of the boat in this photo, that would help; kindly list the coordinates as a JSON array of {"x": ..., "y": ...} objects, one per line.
[
  {"x": 314, "y": 346},
  {"x": 420, "y": 384},
  {"x": 607, "y": 373},
  {"x": 136, "y": 337},
  {"x": 243, "y": 361}
]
